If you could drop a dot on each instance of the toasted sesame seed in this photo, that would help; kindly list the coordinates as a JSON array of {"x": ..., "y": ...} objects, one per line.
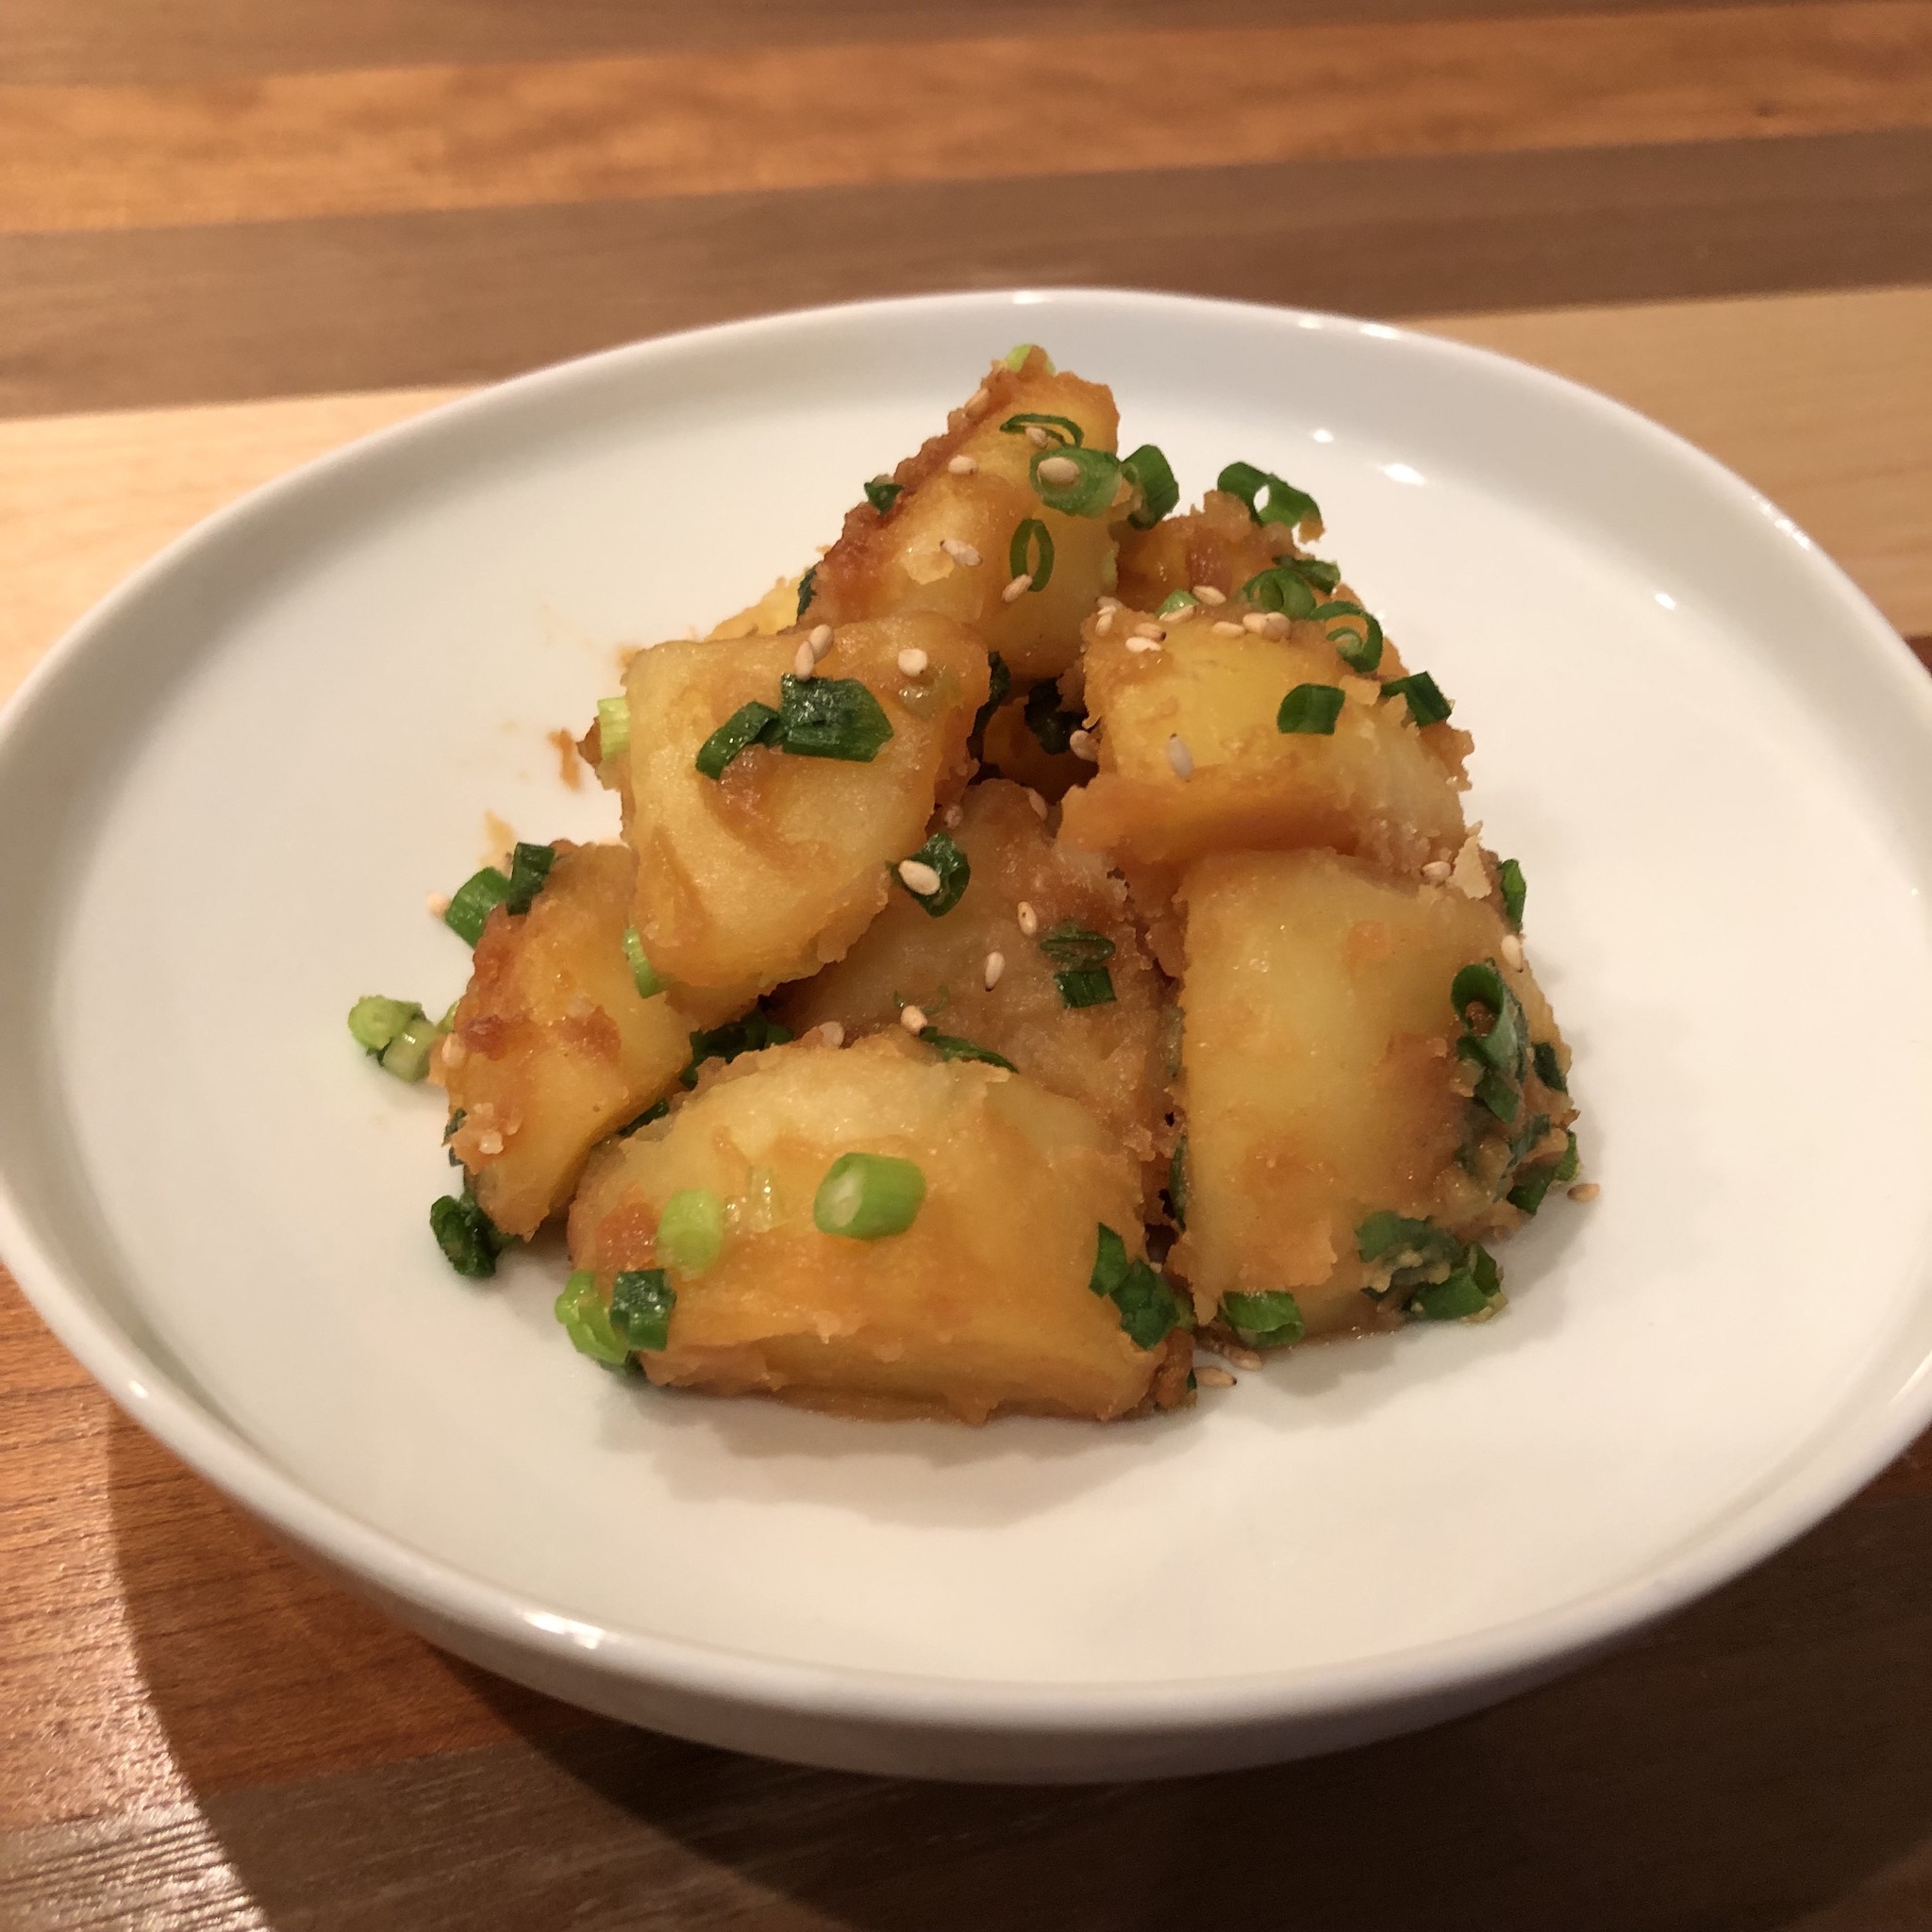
[
  {"x": 1436, "y": 870},
  {"x": 1206, "y": 594},
  {"x": 1151, "y": 630},
  {"x": 438, "y": 904},
  {"x": 819, "y": 640},
  {"x": 1038, "y": 802},
  {"x": 961, "y": 552},
  {"x": 1240, "y": 1357},
  {"x": 919, "y": 877},
  {"x": 950, "y": 818},
  {"x": 1180, "y": 757},
  {"x": 1058, "y": 473},
  {"x": 1140, "y": 644},
  {"x": 962, "y": 466},
  {"x": 1107, "y": 603},
  {"x": 1082, "y": 746},
  {"x": 1017, "y": 587},
  {"x": 1512, "y": 949},
  {"x": 1225, "y": 629},
  {"x": 1584, "y": 1191},
  {"x": 454, "y": 1052},
  {"x": 1210, "y": 1378},
  {"x": 1029, "y": 920},
  {"x": 913, "y": 1018},
  {"x": 995, "y": 965},
  {"x": 1255, "y": 621},
  {"x": 1036, "y": 436},
  {"x": 832, "y": 1033},
  {"x": 1103, "y": 624},
  {"x": 977, "y": 401},
  {"x": 490, "y": 1143},
  {"x": 912, "y": 663},
  {"x": 804, "y": 662},
  {"x": 1274, "y": 624}
]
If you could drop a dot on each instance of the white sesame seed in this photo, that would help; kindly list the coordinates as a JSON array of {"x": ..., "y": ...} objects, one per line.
[
  {"x": 820, "y": 639},
  {"x": 802, "y": 660},
  {"x": 1150, "y": 630},
  {"x": 1036, "y": 436},
  {"x": 832, "y": 1033},
  {"x": 1103, "y": 624},
  {"x": 454, "y": 1052},
  {"x": 1082, "y": 746},
  {"x": 1255, "y": 621},
  {"x": 951, "y": 817},
  {"x": 1210, "y": 1378},
  {"x": 961, "y": 552},
  {"x": 912, "y": 663},
  {"x": 1512, "y": 949},
  {"x": 1240, "y": 1357},
  {"x": 1274, "y": 624},
  {"x": 1140, "y": 644},
  {"x": 438, "y": 904},
  {"x": 977, "y": 401},
  {"x": 1058, "y": 473},
  {"x": 490, "y": 1143},
  {"x": 995, "y": 965},
  {"x": 1180, "y": 757},
  {"x": 1038, "y": 802},
  {"x": 1017, "y": 589},
  {"x": 913, "y": 1018},
  {"x": 1225, "y": 629},
  {"x": 962, "y": 466},
  {"x": 919, "y": 877},
  {"x": 1029, "y": 920},
  {"x": 1584, "y": 1191},
  {"x": 1206, "y": 594},
  {"x": 1436, "y": 870}
]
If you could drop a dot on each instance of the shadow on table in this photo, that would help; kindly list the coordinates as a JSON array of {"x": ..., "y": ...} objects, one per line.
[{"x": 1764, "y": 1755}]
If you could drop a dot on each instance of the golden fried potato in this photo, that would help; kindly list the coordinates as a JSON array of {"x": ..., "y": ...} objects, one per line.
[
  {"x": 895, "y": 559},
  {"x": 1109, "y": 1056},
  {"x": 1220, "y": 545},
  {"x": 776, "y": 610},
  {"x": 1011, "y": 748},
  {"x": 1323, "y": 1082},
  {"x": 552, "y": 1046},
  {"x": 775, "y": 866},
  {"x": 981, "y": 1304}
]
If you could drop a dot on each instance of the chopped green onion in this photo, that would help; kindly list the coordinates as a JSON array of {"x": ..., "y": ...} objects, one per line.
[
  {"x": 999, "y": 681},
  {"x": 1272, "y": 1319},
  {"x": 690, "y": 1231},
  {"x": 1360, "y": 650},
  {"x": 1110, "y": 1261},
  {"x": 613, "y": 728},
  {"x": 951, "y": 1048},
  {"x": 1015, "y": 357},
  {"x": 641, "y": 971},
  {"x": 1315, "y": 570},
  {"x": 1504, "y": 1046},
  {"x": 1030, "y": 552},
  {"x": 830, "y": 718},
  {"x": 807, "y": 584},
  {"x": 1284, "y": 503},
  {"x": 1092, "y": 490},
  {"x": 882, "y": 493},
  {"x": 1148, "y": 471},
  {"x": 375, "y": 1022},
  {"x": 1071, "y": 945},
  {"x": 1569, "y": 1162},
  {"x": 1494, "y": 1091},
  {"x": 1471, "y": 1290},
  {"x": 1530, "y": 1188},
  {"x": 752, "y": 1034},
  {"x": 1404, "y": 1243},
  {"x": 1311, "y": 709},
  {"x": 1052, "y": 727},
  {"x": 473, "y": 901},
  {"x": 955, "y": 871},
  {"x": 868, "y": 1196},
  {"x": 641, "y": 1305},
  {"x": 1549, "y": 1069},
  {"x": 452, "y": 1127},
  {"x": 587, "y": 1321},
  {"x": 1064, "y": 428},
  {"x": 529, "y": 866},
  {"x": 1086, "y": 986},
  {"x": 655, "y": 1112},
  {"x": 408, "y": 1055},
  {"x": 1176, "y": 600},
  {"x": 1426, "y": 704},
  {"x": 1149, "y": 1309},
  {"x": 469, "y": 1240},
  {"x": 1521, "y": 1141},
  {"x": 1177, "y": 1183},
  {"x": 1280, "y": 590},
  {"x": 1515, "y": 889},
  {"x": 750, "y": 723}
]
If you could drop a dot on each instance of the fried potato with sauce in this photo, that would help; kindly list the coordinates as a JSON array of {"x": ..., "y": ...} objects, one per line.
[
  {"x": 552, "y": 1046},
  {"x": 942, "y": 542},
  {"x": 980, "y": 1305},
  {"x": 1110, "y": 1056},
  {"x": 1324, "y": 1080},
  {"x": 774, "y": 867}
]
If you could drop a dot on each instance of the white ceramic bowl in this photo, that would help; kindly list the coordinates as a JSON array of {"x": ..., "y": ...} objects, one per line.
[{"x": 223, "y": 798}]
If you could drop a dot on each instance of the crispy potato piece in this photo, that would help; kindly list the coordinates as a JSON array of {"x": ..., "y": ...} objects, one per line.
[
  {"x": 551, "y": 1046},
  {"x": 776, "y": 867},
  {"x": 1320, "y": 1076},
  {"x": 1219, "y": 544},
  {"x": 776, "y": 610},
  {"x": 981, "y": 1304},
  {"x": 1110, "y": 1057},
  {"x": 893, "y": 561},
  {"x": 1009, "y": 749}
]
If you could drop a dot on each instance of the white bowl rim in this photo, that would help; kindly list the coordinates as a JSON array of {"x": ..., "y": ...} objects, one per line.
[{"x": 1511, "y": 1651}]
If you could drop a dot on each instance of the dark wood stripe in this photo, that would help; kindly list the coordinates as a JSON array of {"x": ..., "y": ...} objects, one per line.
[
  {"x": 97, "y": 42},
  {"x": 120, "y": 320},
  {"x": 1923, "y": 648}
]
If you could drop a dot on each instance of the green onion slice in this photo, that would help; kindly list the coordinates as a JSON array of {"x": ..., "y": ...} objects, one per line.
[
  {"x": 1030, "y": 552},
  {"x": 1531, "y": 1188},
  {"x": 1176, "y": 600},
  {"x": 999, "y": 681},
  {"x": 641, "y": 1305},
  {"x": 830, "y": 718},
  {"x": 1015, "y": 357},
  {"x": 1268, "y": 498},
  {"x": 1110, "y": 1261},
  {"x": 469, "y": 1240},
  {"x": 1317, "y": 572},
  {"x": 1071, "y": 945},
  {"x": 752, "y": 1034},
  {"x": 1405, "y": 1243},
  {"x": 1089, "y": 492},
  {"x": 690, "y": 1231},
  {"x": 1063, "y": 428},
  {"x": 1469, "y": 1290},
  {"x": 1052, "y": 727},
  {"x": 868, "y": 1196},
  {"x": 882, "y": 493},
  {"x": 951, "y": 1048},
  {"x": 1311, "y": 709},
  {"x": 1149, "y": 1308},
  {"x": 752, "y": 723},
  {"x": 587, "y": 1321},
  {"x": 1279, "y": 589},
  {"x": 1149, "y": 472},
  {"x": 408, "y": 1055},
  {"x": 641, "y": 972},
  {"x": 1272, "y": 1319},
  {"x": 1549, "y": 1069},
  {"x": 807, "y": 584},
  {"x": 1426, "y": 704},
  {"x": 1505, "y": 1045},
  {"x": 473, "y": 901},
  {"x": 1360, "y": 649},
  {"x": 529, "y": 866},
  {"x": 954, "y": 868},
  {"x": 1515, "y": 890},
  {"x": 1085, "y": 986},
  {"x": 613, "y": 728},
  {"x": 1567, "y": 1162},
  {"x": 375, "y": 1022},
  {"x": 1177, "y": 1183}
]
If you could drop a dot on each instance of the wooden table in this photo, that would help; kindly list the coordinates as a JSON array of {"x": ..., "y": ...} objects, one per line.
[{"x": 236, "y": 232}]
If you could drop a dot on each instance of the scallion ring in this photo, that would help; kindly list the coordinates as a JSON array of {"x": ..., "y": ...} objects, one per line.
[
  {"x": 1076, "y": 482},
  {"x": 1030, "y": 554},
  {"x": 1062, "y": 428},
  {"x": 866, "y": 1197}
]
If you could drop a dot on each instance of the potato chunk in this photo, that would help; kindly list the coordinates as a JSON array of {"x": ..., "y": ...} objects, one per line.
[
  {"x": 1323, "y": 1082},
  {"x": 1192, "y": 760},
  {"x": 919, "y": 553},
  {"x": 776, "y": 866},
  {"x": 1220, "y": 545},
  {"x": 552, "y": 1046},
  {"x": 1109, "y": 1056},
  {"x": 980, "y": 1305}
]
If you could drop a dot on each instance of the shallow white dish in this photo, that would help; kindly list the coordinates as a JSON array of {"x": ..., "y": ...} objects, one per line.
[{"x": 224, "y": 796}]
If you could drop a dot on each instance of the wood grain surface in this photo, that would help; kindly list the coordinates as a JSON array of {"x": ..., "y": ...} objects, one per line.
[{"x": 236, "y": 234}]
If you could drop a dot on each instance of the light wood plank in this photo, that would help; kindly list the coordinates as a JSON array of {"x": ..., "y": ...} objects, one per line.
[{"x": 750, "y": 118}]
